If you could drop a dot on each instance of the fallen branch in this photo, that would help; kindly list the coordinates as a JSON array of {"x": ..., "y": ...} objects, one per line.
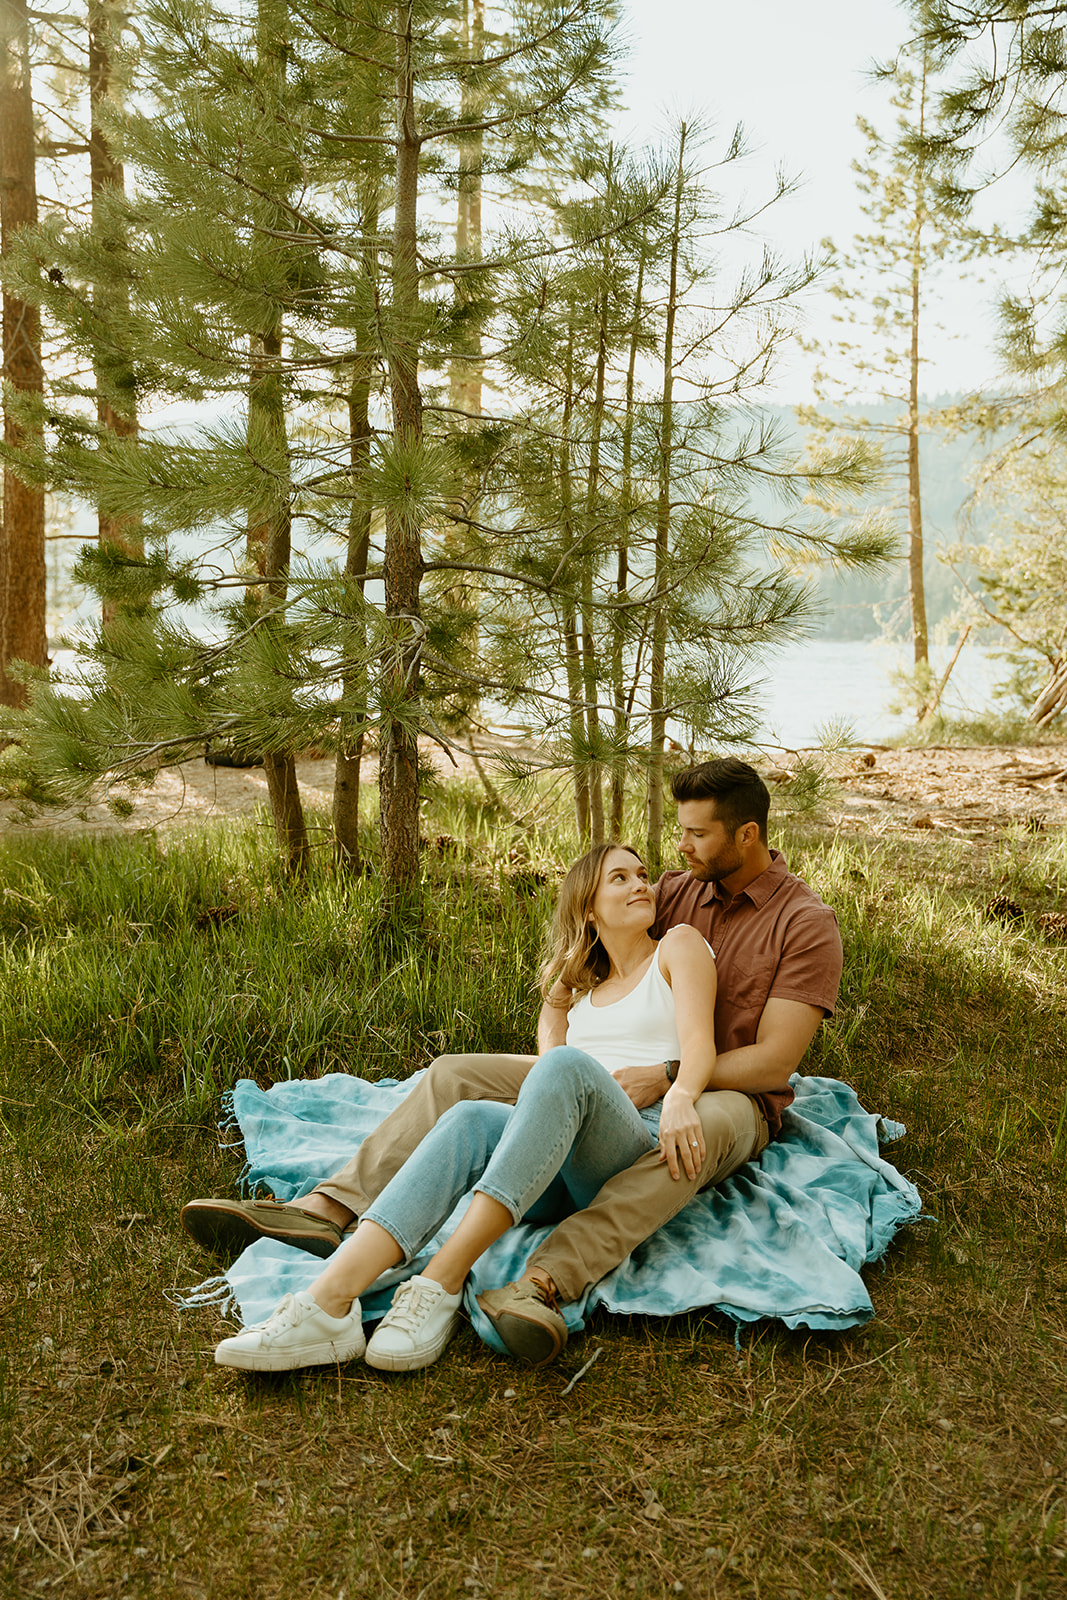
[
  {"x": 599, "y": 1351},
  {"x": 930, "y": 710}
]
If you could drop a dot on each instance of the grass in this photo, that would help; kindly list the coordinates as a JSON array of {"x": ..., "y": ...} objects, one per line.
[
  {"x": 922, "y": 1455},
  {"x": 981, "y": 728}
]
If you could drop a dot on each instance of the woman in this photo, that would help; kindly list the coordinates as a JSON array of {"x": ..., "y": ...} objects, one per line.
[{"x": 628, "y": 1001}]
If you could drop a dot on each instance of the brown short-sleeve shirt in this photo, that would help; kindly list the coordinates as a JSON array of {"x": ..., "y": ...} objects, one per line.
[{"x": 774, "y": 940}]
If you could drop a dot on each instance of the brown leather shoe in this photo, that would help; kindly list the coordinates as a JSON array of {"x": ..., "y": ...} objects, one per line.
[
  {"x": 526, "y": 1316},
  {"x": 226, "y": 1227}
]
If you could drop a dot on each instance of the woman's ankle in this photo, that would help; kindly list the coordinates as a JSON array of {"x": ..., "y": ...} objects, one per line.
[
  {"x": 334, "y": 1305},
  {"x": 448, "y": 1281}
]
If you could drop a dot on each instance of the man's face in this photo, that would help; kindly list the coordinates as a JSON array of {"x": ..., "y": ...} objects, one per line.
[{"x": 707, "y": 848}]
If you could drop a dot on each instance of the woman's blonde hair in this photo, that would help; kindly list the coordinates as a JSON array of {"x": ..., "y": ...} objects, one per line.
[{"x": 574, "y": 955}]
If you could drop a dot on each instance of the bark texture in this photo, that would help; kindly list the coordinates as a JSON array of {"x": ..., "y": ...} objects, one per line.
[
  {"x": 106, "y": 173},
  {"x": 916, "y": 584},
  {"x": 354, "y": 684},
  {"x": 269, "y": 548},
  {"x": 398, "y": 776},
  {"x": 658, "y": 662},
  {"x": 23, "y": 628}
]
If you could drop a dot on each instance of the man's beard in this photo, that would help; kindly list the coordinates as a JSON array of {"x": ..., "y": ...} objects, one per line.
[{"x": 721, "y": 866}]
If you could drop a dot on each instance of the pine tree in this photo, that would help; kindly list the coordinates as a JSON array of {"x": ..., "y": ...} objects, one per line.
[
  {"x": 22, "y": 560},
  {"x": 288, "y": 261},
  {"x": 884, "y": 286},
  {"x": 622, "y": 555},
  {"x": 1006, "y": 66},
  {"x": 1018, "y": 583},
  {"x": 250, "y": 272},
  {"x": 115, "y": 403}
]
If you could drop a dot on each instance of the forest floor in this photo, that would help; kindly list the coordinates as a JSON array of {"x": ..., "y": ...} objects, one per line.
[
  {"x": 921, "y": 1455},
  {"x": 968, "y": 792}
]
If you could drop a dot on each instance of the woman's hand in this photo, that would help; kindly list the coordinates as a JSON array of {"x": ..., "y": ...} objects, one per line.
[{"x": 681, "y": 1137}]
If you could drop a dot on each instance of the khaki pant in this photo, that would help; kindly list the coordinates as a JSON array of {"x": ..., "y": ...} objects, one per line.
[{"x": 590, "y": 1243}]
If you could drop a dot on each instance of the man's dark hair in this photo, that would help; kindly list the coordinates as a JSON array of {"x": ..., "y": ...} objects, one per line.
[{"x": 739, "y": 793}]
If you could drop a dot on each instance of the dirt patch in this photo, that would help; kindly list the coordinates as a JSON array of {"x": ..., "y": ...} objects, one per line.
[
  {"x": 971, "y": 792},
  {"x": 194, "y": 793}
]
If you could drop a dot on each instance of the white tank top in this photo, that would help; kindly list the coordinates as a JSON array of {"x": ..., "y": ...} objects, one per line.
[{"x": 637, "y": 1031}]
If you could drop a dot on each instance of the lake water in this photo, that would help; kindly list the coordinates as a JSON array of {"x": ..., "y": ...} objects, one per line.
[{"x": 817, "y": 681}]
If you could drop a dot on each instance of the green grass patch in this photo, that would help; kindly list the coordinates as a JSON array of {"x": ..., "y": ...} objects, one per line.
[{"x": 922, "y": 1455}]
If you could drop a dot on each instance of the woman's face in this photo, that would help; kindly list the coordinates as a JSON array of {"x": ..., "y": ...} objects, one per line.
[{"x": 623, "y": 899}]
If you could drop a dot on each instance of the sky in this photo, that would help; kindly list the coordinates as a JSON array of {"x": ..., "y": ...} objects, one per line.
[{"x": 796, "y": 77}]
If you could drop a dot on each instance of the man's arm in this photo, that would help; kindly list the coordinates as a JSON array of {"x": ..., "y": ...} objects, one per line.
[{"x": 785, "y": 1030}]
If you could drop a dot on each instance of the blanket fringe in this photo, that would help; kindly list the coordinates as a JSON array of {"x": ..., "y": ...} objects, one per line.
[{"x": 212, "y": 1292}]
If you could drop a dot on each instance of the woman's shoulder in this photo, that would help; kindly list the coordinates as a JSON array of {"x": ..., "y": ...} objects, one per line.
[
  {"x": 683, "y": 936},
  {"x": 686, "y": 945}
]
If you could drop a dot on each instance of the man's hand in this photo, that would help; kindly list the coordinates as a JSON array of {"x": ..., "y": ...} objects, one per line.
[{"x": 644, "y": 1085}]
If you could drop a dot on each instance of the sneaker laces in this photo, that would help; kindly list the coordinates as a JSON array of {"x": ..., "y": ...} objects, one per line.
[
  {"x": 286, "y": 1314},
  {"x": 410, "y": 1303}
]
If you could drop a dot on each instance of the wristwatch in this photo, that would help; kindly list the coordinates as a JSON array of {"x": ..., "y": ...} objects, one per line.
[{"x": 671, "y": 1069}]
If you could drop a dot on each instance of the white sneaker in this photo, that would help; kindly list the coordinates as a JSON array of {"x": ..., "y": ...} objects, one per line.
[
  {"x": 298, "y": 1333},
  {"x": 416, "y": 1328}
]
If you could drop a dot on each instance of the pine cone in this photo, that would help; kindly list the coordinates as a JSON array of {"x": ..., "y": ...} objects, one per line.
[
  {"x": 1003, "y": 909},
  {"x": 1053, "y": 925}
]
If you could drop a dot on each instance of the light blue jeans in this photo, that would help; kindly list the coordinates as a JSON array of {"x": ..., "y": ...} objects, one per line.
[{"x": 570, "y": 1130}]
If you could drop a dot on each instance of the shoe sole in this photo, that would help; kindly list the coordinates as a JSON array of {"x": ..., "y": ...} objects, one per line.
[
  {"x": 530, "y": 1341},
  {"x": 411, "y": 1360},
  {"x": 229, "y": 1232},
  {"x": 330, "y": 1354}
]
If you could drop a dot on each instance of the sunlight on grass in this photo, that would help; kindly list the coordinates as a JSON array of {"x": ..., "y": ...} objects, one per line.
[{"x": 919, "y": 1455}]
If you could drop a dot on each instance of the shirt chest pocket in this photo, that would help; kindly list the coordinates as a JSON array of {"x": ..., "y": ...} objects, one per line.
[{"x": 744, "y": 987}]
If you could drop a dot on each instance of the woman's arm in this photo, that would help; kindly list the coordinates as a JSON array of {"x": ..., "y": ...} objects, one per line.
[
  {"x": 552, "y": 1023},
  {"x": 689, "y": 967}
]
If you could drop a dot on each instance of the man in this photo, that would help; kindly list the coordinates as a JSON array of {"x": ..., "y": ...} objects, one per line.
[{"x": 778, "y": 959}]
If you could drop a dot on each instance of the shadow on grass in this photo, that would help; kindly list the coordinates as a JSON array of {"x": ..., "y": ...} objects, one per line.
[{"x": 919, "y": 1455}]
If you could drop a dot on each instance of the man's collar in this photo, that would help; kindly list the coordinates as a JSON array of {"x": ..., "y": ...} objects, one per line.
[{"x": 760, "y": 890}]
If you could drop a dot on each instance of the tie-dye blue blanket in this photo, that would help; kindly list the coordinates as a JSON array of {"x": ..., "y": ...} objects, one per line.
[{"x": 784, "y": 1238}]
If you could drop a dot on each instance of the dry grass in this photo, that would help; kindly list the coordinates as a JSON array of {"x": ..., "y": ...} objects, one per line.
[{"x": 920, "y": 1456}]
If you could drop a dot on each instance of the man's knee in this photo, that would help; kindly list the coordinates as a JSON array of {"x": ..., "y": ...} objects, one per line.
[
  {"x": 453, "y": 1078},
  {"x": 735, "y": 1131},
  {"x": 450, "y": 1069}
]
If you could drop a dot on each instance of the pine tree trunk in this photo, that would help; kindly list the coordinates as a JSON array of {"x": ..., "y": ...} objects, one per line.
[
  {"x": 466, "y": 369},
  {"x": 105, "y": 171},
  {"x": 916, "y": 584},
  {"x": 23, "y": 596},
  {"x": 398, "y": 776},
  {"x": 571, "y": 647},
  {"x": 354, "y": 684},
  {"x": 592, "y": 717},
  {"x": 466, "y": 374},
  {"x": 658, "y": 663},
  {"x": 269, "y": 549},
  {"x": 269, "y": 529},
  {"x": 622, "y": 572}
]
